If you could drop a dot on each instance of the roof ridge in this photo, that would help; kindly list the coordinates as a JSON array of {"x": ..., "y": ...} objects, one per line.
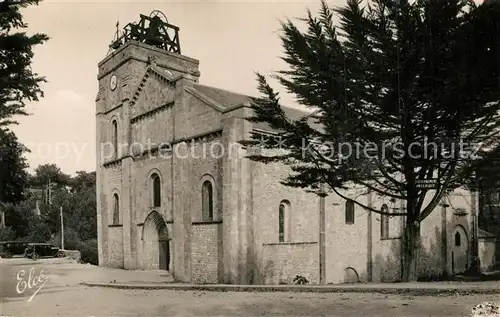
[
  {"x": 225, "y": 90},
  {"x": 306, "y": 113}
]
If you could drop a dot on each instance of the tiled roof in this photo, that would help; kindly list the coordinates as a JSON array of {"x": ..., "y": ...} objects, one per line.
[
  {"x": 226, "y": 99},
  {"x": 484, "y": 234},
  {"x": 229, "y": 100}
]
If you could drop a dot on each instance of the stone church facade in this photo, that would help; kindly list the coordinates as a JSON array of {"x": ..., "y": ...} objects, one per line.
[{"x": 175, "y": 191}]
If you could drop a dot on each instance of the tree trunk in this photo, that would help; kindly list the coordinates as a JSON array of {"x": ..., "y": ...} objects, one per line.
[{"x": 410, "y": 250}]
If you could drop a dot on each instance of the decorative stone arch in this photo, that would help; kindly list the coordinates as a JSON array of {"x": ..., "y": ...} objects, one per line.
[
  {"x": 284, "y": 220},
  {"x": 350, "y": 276},
  {"x": 464, "y": 236},
  {"x": 155, "y": 227},
  {"x": 155, "y": 171},
  {"x": 114, "y": 118},
  {"x": 156, "y": 244},
  {"x": 150, "y": 185},
  {"x": 205, "y": 179},
  {"x": 115, "y": 193}
]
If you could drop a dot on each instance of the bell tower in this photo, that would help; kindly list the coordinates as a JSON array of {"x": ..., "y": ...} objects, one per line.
[
  {"x": 146, "y": 49},
  {"x": 152, "y": 30},
  {"x": 151, "y": 41}
]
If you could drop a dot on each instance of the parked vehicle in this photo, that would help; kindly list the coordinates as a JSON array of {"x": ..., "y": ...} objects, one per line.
[
  {"x": 10, "y": 248},
  {"x": 37, "y": 250}
]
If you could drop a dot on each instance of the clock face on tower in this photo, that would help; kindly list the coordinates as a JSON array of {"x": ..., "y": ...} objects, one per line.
[{"x": 113, "y": 82}]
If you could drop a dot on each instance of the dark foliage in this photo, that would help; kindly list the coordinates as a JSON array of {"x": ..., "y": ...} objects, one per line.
[
  {"x": 12, "y": 167},
  {"x": 412, "y": 88},
  {"x": 18, "y": 83},
  {"x": 88, "y": 250}
]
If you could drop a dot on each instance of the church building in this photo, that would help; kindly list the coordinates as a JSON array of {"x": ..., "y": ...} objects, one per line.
[{"x": 176, "y": 192}]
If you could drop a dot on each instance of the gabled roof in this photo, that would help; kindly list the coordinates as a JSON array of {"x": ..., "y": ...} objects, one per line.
[{"x": 228, "y": 100}]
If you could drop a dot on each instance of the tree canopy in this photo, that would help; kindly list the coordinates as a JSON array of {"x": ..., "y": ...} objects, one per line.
[
  {"x": 18, "y": 83},
  {"x": 13, "y": 175},
  {"x": 395, "y": 88},
  {"x": 77, "y": 197}
]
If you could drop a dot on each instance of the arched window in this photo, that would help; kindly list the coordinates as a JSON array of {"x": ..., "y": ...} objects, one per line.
[
  {"x": 281, "y": 228},
  {"x": 457, "y": 239},
  {"x": 116, "y": 209},
  {"x": 114, "y": 136},
  {"x": 384, "y": 222},
  {"x": 284, "y": 221},
  {"x": 156, "y": 190},
  {"x": 349, "y": 212},
  {"x": 207, "y": 200}
]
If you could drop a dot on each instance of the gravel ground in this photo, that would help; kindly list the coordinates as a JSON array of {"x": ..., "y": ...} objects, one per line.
[
  {"x": 62, "y": 296},
  {"x": 84, "y": 301}
]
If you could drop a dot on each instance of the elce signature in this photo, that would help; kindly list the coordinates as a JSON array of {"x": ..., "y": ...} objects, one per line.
[{"x": 33, "y": 281}]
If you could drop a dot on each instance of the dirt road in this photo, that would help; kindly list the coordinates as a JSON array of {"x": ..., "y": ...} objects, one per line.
[{"x": 62, "y": 296}]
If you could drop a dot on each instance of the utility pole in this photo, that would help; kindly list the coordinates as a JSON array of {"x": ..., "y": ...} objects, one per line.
[
  {"x": 62, "y": 227},
  {"x": 476, "y": 265},
  {"x": 369, "y": 253},
  {"x": 322, "y": 247},
  {"x": 49, "y": 193}
]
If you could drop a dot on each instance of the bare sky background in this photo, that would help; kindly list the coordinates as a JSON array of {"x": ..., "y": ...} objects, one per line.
[{"x": 231, "y": 39}]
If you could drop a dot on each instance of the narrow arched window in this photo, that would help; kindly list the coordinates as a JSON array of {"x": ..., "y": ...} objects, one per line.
[
  {"x": 114, "y": 136},
  {"x": 384, "y": 222},
  {"x": 116, "y": 209},
  {"x": 281, "y": 228},
  {"x": 156, "y": 190},
  {"x": 349, "y": 212},
  {"x": 457, "y": 239},
  {"x": 207, "y": 200}
]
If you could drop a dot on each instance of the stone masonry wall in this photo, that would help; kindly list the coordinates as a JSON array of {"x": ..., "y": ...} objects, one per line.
[
  {"x": 284, "y": 261},
  {"x": 205, "y": 253},
  {"x": 346, "y": 243},
  {"x": 115, "y": 246}
]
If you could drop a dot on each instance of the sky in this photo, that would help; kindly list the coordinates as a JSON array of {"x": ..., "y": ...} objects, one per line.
[{"x": 231, "y": 39}]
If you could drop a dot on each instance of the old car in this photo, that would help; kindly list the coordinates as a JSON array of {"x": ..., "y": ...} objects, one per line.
[
  {"x": 10, "y": 248},
  {"x": 37, "y": 250}
]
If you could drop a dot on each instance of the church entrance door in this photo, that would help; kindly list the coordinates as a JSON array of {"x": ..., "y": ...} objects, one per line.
[
  {"x": 164, "y": 255},
  {"x": 156, "y": 247}
]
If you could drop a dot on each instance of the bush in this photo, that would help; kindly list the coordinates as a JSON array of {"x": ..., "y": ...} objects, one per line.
[
  {"x": 88, "y": 250},
  {"x": 41, "y": 233},
  {"x": 71, "y": 239},
  {"x": 7, "y": 234}
]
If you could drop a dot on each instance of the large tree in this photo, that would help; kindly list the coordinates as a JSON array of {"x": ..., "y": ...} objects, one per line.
[
  {"x": 401, "y": 83},
  {"x": 18, "y": 83},
  {"x": 49, "y": 174},
  {"x": 13, "y": 166}
]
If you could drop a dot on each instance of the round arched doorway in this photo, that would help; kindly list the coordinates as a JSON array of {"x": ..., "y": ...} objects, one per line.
[{"x": 156, "y": 247}]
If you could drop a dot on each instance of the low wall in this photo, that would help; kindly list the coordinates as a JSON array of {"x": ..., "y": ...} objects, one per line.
[
  {"x": 283, "y": 261},
  {"x": 487, "y": 254},
  {"x": 73, "y": 254}
]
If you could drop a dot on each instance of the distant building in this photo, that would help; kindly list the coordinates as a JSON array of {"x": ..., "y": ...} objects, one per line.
[{"x": 38, "y": 196}]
